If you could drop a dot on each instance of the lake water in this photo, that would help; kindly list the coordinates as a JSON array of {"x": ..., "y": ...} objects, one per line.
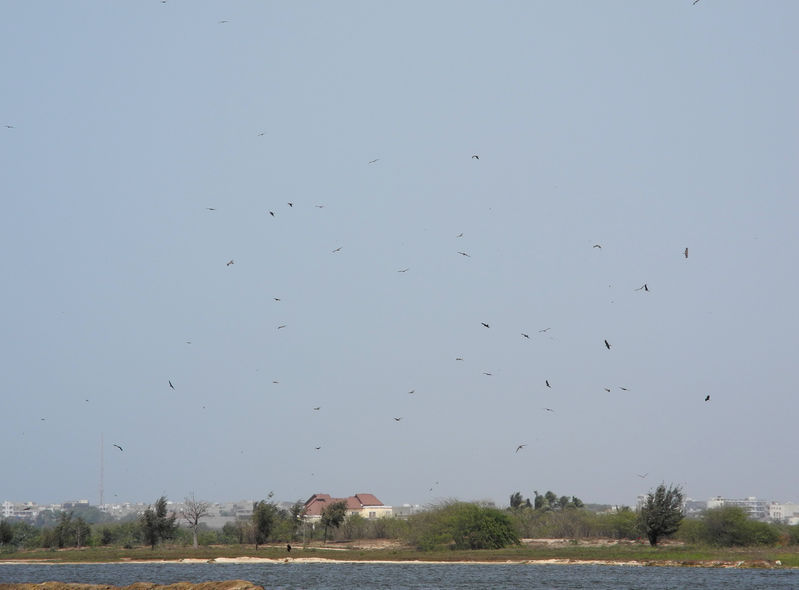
[{"x": 411, "y": 576}]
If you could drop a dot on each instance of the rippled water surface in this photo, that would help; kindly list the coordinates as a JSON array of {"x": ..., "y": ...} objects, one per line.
[{"x": 411, "y": 576}]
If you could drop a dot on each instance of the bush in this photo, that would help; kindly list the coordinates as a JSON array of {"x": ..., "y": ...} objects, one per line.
[
  {"x": 729, "y": 526},
  {"x": 461, "y": 525}
]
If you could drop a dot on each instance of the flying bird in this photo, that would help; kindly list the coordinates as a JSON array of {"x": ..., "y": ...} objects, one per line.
[
  {"x": 404, "y": 269},
  {"x": 519, "y": 448},
  {"x": 645, "y": 287},
  {"x": 261, "y": 134},
  {"x": 623, "y": 388},
  {"x": 525, "y": 335},
  {"x": 375, "y": 160},
  {"x": 607, "y": 389},
  {"x": 707, "y": 398},
  {"x": 280, "y": 327},
  {"x": 686, "y": 252},
  {"x": 642, "y": 476},
  {"x": 475, "y": 157},
  {"x": 26, "y": 508},
  {"x": 695, "y": 1},
  {"x": 486, "y": 325},
  {"x": 397, "y": 419},
  {"x": 210, "y": 209},
  {"x": 545, "y": 330},
  {"x": 117, "y": 446},
  {"x": 547, "y": 382},
  {"x": 460, "y": 235},
  {"x": 319, "y": 206},
  {"x": 272, "y": 213},
  {"x": 597, "y": 246},
  {"x": 489, "y": 374},
  {"x": 290, "y": 204},
  {"x": 9, "y": 126},
  {"x": 229, "y": 262},
  {"x": 317, "y": 408},
  {"x": 607, "y": 344},
  {"x": 276, "y": 298},
  {"x": 549, "y": 409},
  {"x": 458, "y": 358},
  {"x": 170, "y": 384},
  {"x": 337, "y": 249},
  {"x": 464, "y": 254},
  {"x": 412, "y": 391},
  {"x": 317, "y": 448},
  {"x": 222, "y": 22}
]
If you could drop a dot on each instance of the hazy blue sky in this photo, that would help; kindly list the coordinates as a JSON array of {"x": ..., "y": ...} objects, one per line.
[{"x": 643, "y": 127}]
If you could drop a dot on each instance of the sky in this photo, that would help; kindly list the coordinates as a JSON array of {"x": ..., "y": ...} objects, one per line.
[{"x": 282, "y": 206}]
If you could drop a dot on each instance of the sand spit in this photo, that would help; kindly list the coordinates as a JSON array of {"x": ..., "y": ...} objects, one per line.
[{"x": 224, "y": 585}]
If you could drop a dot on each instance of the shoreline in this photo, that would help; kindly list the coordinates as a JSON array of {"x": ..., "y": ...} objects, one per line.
[{"x": 743, "y": 564}]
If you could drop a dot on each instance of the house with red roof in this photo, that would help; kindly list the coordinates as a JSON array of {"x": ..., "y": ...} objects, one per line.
[{"x": 364, "y": 505}]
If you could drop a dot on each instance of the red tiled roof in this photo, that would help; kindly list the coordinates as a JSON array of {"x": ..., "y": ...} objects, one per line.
[{"x": 318, "y": 502}]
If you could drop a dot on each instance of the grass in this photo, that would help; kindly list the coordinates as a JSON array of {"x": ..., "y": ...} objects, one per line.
[{"x": 665, "y": 555}]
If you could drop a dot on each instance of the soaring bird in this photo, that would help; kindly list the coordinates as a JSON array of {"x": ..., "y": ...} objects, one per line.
[
  {"x": 281, "y": 326},
  {"x": 475, "y": 157},
  {"x": 276, "y": 298},
  {"x": 486, "y": 325},
  {"x": 607, "y": 344},
  {"x": 397, "y": 419},
  {"x": 686, "y": 252},
  {"x": 460, "y": 235},
  {"x": 261, "y": 134},
  {"x": 337, "y": 249},
  {"x": 272, "y": 213},
  {"x": 549, "y": 409},
  {"x": 317, "y": 408},
  {"x": 317, "y": 448},
  {"x": 597, "y": 246},
  {"x": 525, "y": 335},
  {"x": 458, "y": 358},
  {"x": 319, "y": 206},
  {"x": 375, "y": 160},
  {"x": 547, "y": 382},
  {"x": 489, "y": 374},
  {"x": 607, "y": 389},
  {"x": 229, "y": 262},
  {"x": 117, "y": 446},
  {"x": 9, "y": 126},
  {"x": 170, "y": 384},
  {"x": 623, "y": 388},
  {"x": 464, "y": 254},
  {"x": 404, "y": 269},
  {"x": 642, "y": 476},
  {"x": 707, "y": 398},
  {"x": 412, "y": 391},
  {"x": 290, "y": 204},
  {"x": 545, "y": 330},
  {"x": 519, "y": 448},
  {"x": 210, "y": 209},
  {"x": 644, "y": 287},
  {"x": 222, "y": 22}
]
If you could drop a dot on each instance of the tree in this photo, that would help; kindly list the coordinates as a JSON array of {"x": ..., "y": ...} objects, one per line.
[
  {"x": 6, "y": 533},
  {"x": 517, "y": 501},
  {"x": 263, "y": 519},
  {"x": 662, "y": 513},
  {"x": 155, "y": 523},
  {"x": 193, "y": 511},
  {"x": 333, "y": 515}
]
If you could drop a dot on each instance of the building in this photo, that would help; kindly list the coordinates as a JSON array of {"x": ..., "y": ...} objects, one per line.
[
  {"x": 787, "y": 512},
  {"x": 364, "y": 505},
  {"x": 754, "y": 508}
]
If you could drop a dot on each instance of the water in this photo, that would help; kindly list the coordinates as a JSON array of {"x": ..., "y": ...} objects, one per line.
[{"x": 411, "y": 576}]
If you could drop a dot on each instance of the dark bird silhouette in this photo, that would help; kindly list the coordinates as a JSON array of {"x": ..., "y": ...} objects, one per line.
[
  {"x": 707, "y": 398},
  {"x": 644, "y": 287},
  {"x": 404, "y": 269},
  {"x": 280, "y": 327},
  {"x": 276, "y": 382},
  {"x": 317, "y": 448},
  {"x": 458, "y": 358},
  {"x": 695, "y": 1},
  {"x": 290, "y": 204},
  {"x": 288, "y": 547},
  {"x": 172, "y": 386},
  {"x": 229, "y": 262},
  {"x": 276, "y": 298},
  {"x": 607, "y": 389},
  {"x": 26, "y": 508},
  {"x": 525, "y": 335},
  {"x": 210, "y": 209},
  {"x": 337, "y": 249},
  {"x": 460, "y": 235},
  {"x": 222, "y": 22},
  {"x": 464, "y": 254},
  {"x": 547, "y": 382},
  {"x": 397, "y": 419},
  {"x": 597, "y": 246},
  {"x": 549, "y": 409},
  {"x": 519, "y": 448},
  {"x": 117, "y": 446},
  {"x": 686, "y": 252},
  {"x": 489, "y": 374},
  {"x": 607, "y": 344},
  {"x": 486, "y": 325},
  {"x": 261, "y": 134},
  {"x": 623, "y": 388},
  {"x": 475, "y": 157},
  {"x": 642, "y": 476},
  {"x": 272, "y": 213},
  {"x": 545, "y": 330},
  {"x": 319, "y": 206},
  {"x": 375, "y": 160},
  {"x": 317, "y": 408},
  {"x": 9, "y": 126}
]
